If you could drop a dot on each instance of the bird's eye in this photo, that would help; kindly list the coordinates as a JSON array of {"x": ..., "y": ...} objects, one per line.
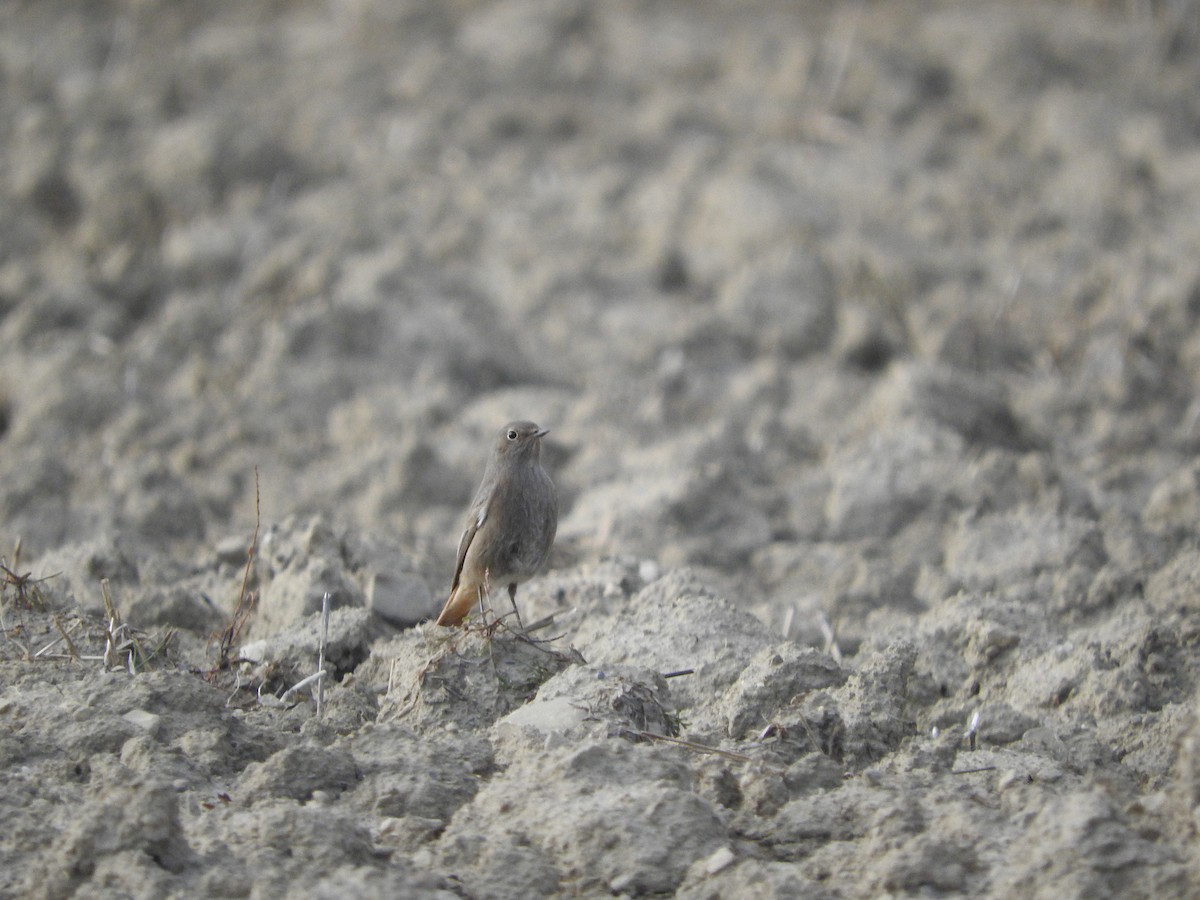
[{"x": 512, "y": 434}]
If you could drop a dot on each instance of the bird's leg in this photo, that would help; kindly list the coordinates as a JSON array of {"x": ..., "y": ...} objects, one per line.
[
  {"x": 512, "y": 595},
  {"x": 488, "y": 627},
  {"x": 485, "y": 590}
]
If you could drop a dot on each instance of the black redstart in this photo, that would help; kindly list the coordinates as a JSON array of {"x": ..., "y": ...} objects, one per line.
[{"x": 510, "y": 526}]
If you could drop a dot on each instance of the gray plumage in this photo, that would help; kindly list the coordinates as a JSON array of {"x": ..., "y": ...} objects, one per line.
[{"x": 510, "y": 525}]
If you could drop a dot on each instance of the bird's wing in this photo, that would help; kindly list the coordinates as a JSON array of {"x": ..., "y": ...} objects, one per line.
[{"x": 478, "y": 517}]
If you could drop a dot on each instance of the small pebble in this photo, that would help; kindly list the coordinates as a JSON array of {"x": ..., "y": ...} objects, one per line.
[
  {"x": 720, "y": 859},
  {"x": 232, "y": 550},
  {"x": 648, "y": 571},
  {"x": 147, "y": 721}
]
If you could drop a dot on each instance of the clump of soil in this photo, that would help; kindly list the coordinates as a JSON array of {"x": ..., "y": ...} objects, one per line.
[{"x": 868, "y": 337}]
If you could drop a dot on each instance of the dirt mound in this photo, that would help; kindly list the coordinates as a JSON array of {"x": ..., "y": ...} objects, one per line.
[{"x": 868, "y": 336}]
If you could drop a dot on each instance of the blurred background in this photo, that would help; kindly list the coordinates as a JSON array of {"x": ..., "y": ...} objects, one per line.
[{"x": 796, "y": 286}]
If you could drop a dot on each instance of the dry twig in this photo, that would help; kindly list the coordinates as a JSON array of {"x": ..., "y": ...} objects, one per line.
[{"x": 246, "y": 598}]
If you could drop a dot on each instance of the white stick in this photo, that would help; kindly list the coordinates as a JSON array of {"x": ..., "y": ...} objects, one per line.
[
  {"x": 321, "y": 652},
  {"x": 302, "y": 684}
]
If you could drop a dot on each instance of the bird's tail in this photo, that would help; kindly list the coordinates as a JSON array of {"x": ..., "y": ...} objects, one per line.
[{"x": 459, "y": 605}]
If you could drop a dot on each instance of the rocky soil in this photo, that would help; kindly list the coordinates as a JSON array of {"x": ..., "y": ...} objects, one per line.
[{"x": 869, "y": 338}]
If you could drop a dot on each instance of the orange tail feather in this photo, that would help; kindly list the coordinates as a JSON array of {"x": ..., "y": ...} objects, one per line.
[{"x": 459, "y": 605}]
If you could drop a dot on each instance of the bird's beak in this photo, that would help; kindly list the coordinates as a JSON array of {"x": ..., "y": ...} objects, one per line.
[{"x": 542, "y": 433}]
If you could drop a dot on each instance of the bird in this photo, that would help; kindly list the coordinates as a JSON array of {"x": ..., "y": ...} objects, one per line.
[{"x": 510, "y": 525}]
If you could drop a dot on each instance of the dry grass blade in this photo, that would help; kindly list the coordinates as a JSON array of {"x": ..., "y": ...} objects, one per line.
[
  {"x": 830, "y": 636},
  {"x": 110, "y": 611},
  {"x": 691, "y": 745},
  {"x": 28, "y": 593},
  {"x": 544, "y": 622},
  {"x": 246, "y": 598},
  {"x": 66, "y": 637},
  {"x": 112, "y": 626}
]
